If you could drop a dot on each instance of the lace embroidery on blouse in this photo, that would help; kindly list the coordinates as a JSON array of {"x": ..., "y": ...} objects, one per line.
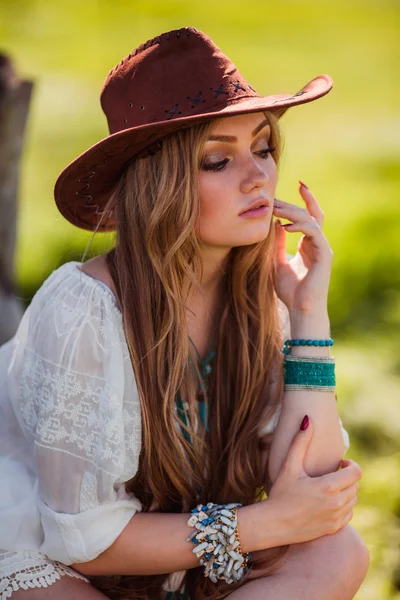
[
  {"x": 70, "y": 412},
  {"x": 70, "y": 405},
  {"x": 27, "y": 570}
]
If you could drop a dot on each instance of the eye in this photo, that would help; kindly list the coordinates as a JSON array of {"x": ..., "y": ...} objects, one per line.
[
  {"x": 266, "y": 152},
  {"x": 218, "y": 166},
  {"x": 221, "y": 165}
]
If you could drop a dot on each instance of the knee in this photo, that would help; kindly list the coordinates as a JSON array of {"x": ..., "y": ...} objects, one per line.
[
  {"x": 353, "y": 558},
  {"x": 355, "y": 548},
  {"x": 340, "y": 559}
]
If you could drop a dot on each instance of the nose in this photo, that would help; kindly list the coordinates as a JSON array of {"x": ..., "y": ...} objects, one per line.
[{"x": 254, "y": 175}]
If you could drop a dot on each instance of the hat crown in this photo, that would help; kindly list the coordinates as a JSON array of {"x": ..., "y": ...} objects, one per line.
[{"x": 178, "y": 74}]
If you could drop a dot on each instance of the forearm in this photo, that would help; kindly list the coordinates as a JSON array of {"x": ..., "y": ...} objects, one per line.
[
  {"x": 154, "y": 543},
  {"x": 327, "y": 446}
]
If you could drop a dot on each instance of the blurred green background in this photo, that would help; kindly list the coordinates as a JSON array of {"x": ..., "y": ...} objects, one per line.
[{"x": 345, "y": 147}]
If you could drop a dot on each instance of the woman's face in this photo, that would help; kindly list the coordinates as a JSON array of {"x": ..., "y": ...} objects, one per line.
[{"x": 235, "y": 172}]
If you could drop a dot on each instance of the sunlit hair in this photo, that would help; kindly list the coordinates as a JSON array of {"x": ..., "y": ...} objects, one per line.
[{"x": 156, "y": 204}]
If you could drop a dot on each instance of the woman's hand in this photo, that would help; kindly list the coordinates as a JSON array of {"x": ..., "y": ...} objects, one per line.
[
  {"x": 301, "y": 508},
  {"x": 303, "y": 283}
]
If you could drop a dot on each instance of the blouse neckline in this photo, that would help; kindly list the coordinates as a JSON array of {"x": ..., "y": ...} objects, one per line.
[{"x": 96, "y": 282}]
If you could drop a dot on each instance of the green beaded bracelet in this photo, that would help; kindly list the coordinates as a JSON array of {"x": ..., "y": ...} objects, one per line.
[
  {"x": 309, "y": 373},
  {"x": 288, "y": 344}
]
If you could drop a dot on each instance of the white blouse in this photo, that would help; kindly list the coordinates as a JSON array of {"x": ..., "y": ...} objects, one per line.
[{"x": 70, "y": 433}]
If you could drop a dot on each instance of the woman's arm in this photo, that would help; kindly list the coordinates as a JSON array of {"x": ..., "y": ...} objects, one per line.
[
  {"x": 154, "y": 543},
  {"x": 327, "y": 447},
  {"x": 302, "y": 285}
]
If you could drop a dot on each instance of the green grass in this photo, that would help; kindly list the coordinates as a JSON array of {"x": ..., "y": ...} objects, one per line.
[{"x": 345, "y": 147}]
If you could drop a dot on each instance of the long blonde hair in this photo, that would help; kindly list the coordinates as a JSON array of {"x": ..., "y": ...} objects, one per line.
[{"x": 156, "y": 206}]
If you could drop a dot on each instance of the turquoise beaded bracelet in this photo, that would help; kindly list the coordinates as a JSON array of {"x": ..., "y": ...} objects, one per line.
[
  {"x": 288, "y": 344},
  {"x": 309, "y": 373}
]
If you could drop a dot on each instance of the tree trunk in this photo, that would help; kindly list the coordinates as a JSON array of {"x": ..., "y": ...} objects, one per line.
[{"x": 15, "y": 95}]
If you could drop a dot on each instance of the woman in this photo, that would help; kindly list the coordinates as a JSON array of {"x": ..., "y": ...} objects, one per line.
[{"x": 144, "y": 387}]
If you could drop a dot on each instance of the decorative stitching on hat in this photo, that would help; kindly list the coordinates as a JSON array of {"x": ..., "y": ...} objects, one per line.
[
  {"x": 237, "y": 86},
  {"x": 89, "y": 197},
  {"x": 173, "y": 111},
  {"x": 86, "y": 179},
  {"x": 219, "y": 91},
  {"x": 196, "y": 100}
]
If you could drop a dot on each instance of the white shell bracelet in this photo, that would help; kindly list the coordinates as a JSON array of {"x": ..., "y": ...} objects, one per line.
[{"x": 217, "y": 541}]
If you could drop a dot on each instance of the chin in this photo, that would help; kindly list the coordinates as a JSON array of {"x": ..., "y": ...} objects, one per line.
[{"x": 253, "y": 239}]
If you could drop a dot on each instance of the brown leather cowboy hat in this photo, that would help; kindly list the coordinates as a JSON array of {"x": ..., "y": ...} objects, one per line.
[{"x": 170, "y": 82}]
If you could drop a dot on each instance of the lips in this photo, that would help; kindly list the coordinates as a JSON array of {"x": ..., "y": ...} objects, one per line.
[{"x": 256, "y": 204}]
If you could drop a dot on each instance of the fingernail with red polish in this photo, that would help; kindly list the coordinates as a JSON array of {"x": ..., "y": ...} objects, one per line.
[
  {"x": 305, "y": 422},
  {"x": 303, "y": 184}
]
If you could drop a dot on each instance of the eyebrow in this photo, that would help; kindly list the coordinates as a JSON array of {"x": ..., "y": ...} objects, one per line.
[{"x": 232, "y": 138}]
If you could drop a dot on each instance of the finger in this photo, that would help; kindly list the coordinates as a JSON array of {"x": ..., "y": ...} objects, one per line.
[
  {"x": 349, "y": 505},
  {"x": 340, "y": 480},
  {"x": 309, "y": 228},
  {"x": 280, "y": 243},
  {"x": 312, "y": 205},
  {"x": 347, "y": 518},
  {"x": 294, "y": 460},
  {"x": 285, "y": 210},
  {"x": 349, "y": 493},
  {"x": 349, "y": 462}
]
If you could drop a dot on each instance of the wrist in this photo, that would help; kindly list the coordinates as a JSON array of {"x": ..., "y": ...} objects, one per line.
[
  {"x": 259, "y": 527},
  {"x": 311, "y": 326},
  {"x": 314, "y": 326},
  {"x": 249, "y": 528}
]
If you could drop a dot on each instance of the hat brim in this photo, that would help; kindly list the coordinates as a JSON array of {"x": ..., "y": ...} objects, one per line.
[{"x": 84, "y": 186}]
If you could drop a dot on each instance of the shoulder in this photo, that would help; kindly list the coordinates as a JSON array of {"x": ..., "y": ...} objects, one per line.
[
  {"x": 73, "y": 313},
  {"x": 77, "y": 286},
  {"x": 97, "y": 269}
]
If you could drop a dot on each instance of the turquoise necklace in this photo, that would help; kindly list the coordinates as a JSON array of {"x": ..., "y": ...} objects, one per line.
[{"x": 203, "y": 409}]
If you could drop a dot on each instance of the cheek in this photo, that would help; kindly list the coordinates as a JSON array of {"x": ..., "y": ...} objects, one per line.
[
  {"x": 215, "y": 208},
  {"x": 214, "y": 196}
]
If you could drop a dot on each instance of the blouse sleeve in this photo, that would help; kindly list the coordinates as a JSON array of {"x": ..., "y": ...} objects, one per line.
[
  {"x": 270, "y": 426},
  {"x": 80, "y": 410}
]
